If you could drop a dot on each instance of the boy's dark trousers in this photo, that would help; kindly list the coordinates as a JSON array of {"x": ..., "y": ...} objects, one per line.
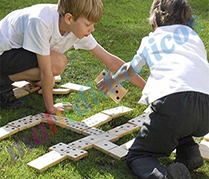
[
  {"x": 17, "y": 60},
  {"x": 173, "y": 122},
  {"x": 12, "y": 62}
]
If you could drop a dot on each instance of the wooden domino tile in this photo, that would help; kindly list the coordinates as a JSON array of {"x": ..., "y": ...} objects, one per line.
[
  {"x": 76, "y": 154},
  {"x": 108, "y": 136},
  {"x": 45, "y": 117},
  {"x": 57, "y": 79},
  {"x": 40, "y": 116},
  {"x": 61, "y": 148},
  {"x": 129, "y": 127},
  {"x": 92, "y": 131},
  {"x": 25, "y": 123},
  {"x": 204, "y": 149},
  {"x": 81, "y": 144},
  {"x": 78, "y": 127},
  {"x": 120, "y": 92},
  {"x": 97, "y": 120},
  {"x": 61, "y": 121},
  {"x": 138, "y": 120},
  {"x": 46, "y": 161},
  {"x": 103, "y": 74},
  {"x": 206, "y": 137},
  {"x": 75, "y": 87},
  {"x": 19, "y": 92},
  {"x": 31, "y": 88},
  {"x": 57, "y": 120},
  {"x": 111, "y": 149},
  {"x": 118, "y": 111},
  {"x": 7, "y": 130},
  {"x": 34, "y": 121},
  {"x": 20, "y": 84},
  {"x": 128, "y": 144},
  {"x": 58, "y": 91},
  {"x": 93, "y": 139},
  {"x": 118, "y": 132},
  {"x": 104, "y": 146},
  {"x": 71, "y": 152},
  {"x": 118, "y": 153}
]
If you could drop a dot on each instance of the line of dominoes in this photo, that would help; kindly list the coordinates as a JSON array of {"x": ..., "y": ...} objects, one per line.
[
  {"x": 85, "y": 127},
  {"x": 95, "y": 138}
]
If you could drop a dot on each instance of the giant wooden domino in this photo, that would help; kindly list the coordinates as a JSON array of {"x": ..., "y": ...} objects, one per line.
[
  {"x": 204, "y": 147},
  {"x": 116, "y": 112},
  {"x": 119, "y": 93},
  {"x": 75, "y": 87},
  {"x": 206, "y": 137},
  {"x": 23, "y": 88},
  {"x": 95, "y": 138},
  {"x": 7, "y": 130},
  {"x": 19, "y": 92},
  {"x": 67, "y": 88},
  {"x": 97, "y": 120},
  {"x": 46, "y": 161},
  {"x": 57, "y": 91},
  {"x": 20, "y": 84},
  {"x": 57, "y": 79}
]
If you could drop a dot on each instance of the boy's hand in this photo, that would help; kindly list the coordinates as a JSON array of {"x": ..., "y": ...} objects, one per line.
[
  {"x": 106, "y": 84},
  {"x": 60, "y": 108}
]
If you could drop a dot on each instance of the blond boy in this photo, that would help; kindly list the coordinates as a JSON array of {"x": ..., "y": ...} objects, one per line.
[{"x": 34, "y": 39}]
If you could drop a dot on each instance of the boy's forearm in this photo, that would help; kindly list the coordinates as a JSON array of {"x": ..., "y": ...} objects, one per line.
[
  {"x": 114, "y": 63},
  {"x": 135, "y": 79},
  {"x": 46, "y": 81},
  {"x": 138, "y": 81},
  {"x": 111, "y": 61},
  {"x": 47, "y": 88}
]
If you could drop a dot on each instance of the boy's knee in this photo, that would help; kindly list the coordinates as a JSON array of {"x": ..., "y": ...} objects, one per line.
[
  {"x": 59, "y": 63},
  {"x": 63, "y": 63}
]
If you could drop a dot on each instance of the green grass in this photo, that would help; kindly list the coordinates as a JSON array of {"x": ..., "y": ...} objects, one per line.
[{"x": 123, "y": 25}]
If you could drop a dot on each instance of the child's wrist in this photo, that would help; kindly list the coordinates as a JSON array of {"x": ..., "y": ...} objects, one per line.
[{"x": 52, "y": 110}]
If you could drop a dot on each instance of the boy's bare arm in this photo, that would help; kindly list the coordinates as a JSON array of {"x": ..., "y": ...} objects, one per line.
[
  {"x": 114, "y": 63},
  {"x": 46, "y": 81}
]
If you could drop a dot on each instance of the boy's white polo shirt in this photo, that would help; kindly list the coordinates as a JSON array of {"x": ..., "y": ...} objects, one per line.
[{"x": 36, "y": 29}]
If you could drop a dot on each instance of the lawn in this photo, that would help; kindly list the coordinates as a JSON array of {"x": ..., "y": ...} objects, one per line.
[{"x": 123, "y": 25}]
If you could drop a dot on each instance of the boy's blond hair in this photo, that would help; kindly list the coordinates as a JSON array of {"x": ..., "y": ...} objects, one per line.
[
  {"x": 169, "y": 12},
  {"x": 90, "y": 9}
]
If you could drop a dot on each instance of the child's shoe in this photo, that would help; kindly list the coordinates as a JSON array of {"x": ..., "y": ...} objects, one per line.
[
  {"x": 7, "y": 98},
  {"x": 177, "y": 171},
  {"x": 9, "y": 101},
  {"x": 190, "y": 156}
]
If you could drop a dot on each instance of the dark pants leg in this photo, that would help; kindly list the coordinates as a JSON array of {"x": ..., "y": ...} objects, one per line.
[
  {"x": 12, "y": 62},
  {"x": 174, "y": 117},
  {"x": 5, "y": 84}
]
